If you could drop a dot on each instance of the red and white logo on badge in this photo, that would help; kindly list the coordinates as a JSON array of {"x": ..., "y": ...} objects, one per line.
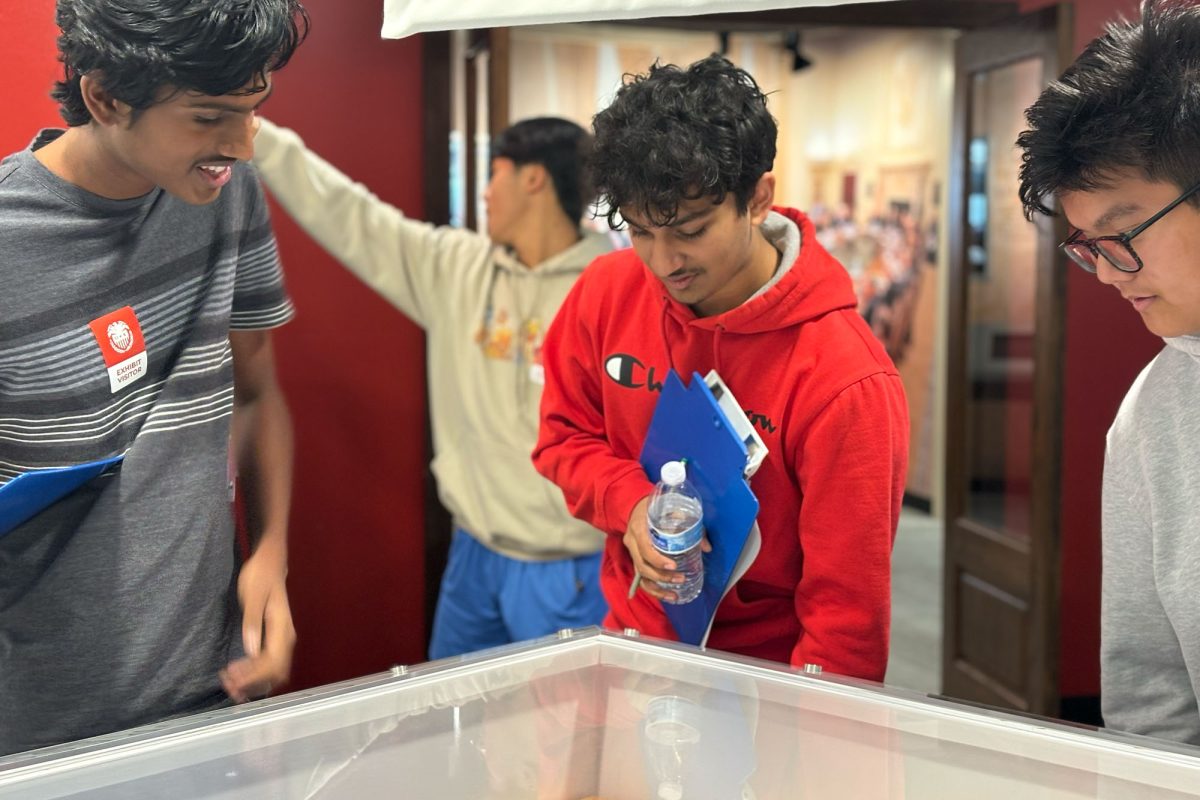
[{"x": 120, "y": 338}]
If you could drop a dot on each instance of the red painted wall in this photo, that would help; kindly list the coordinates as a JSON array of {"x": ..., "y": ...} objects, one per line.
[
  {"x": 352, "y": 367},
  {"x": 27, "y": 61},
  {"x": 1106, "y": 347}
]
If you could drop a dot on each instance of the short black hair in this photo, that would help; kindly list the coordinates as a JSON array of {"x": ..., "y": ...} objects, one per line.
[
  {"x": 1131, "y": 101},
  {"x": 139, "y": 47},
  {"x": 559, "y": 145},
  {"x": 676, "y": 134}
]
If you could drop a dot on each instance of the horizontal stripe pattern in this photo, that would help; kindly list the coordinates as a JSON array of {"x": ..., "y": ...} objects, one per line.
[
  {"x": 157, "y": 532},
  {"x": 56, "y": 402}
]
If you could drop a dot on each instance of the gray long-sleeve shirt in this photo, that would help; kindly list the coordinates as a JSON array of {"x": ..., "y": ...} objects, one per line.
[{"x": 1150, "y": 618}]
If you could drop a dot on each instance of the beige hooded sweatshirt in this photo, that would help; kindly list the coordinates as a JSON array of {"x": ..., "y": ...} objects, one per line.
[{"x": 484, "y": 315}]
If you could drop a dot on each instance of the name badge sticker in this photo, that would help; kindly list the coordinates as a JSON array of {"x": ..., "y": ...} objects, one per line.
[{"x": 120, "y": 338}]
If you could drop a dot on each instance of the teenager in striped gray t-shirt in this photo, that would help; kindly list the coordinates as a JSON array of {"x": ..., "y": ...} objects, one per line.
[{"x": 140, "y": 280}]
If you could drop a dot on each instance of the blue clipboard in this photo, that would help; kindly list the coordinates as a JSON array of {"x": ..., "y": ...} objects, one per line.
[
  {"x": 688, "y": 423},
  {"x": 31, "y": 492}
]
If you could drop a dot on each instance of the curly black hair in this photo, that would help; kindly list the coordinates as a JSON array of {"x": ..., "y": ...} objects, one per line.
[
  {"x": 559, "y": 145},
  {"x": 1131, "y": 101},
  {"x": 680, "y": 134},
  {"x": 139, "y": 47}
]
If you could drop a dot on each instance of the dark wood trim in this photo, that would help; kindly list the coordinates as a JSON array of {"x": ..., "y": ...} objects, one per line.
[
  {"x": 436, "y": 99},
  {"x": 1016, "y": 388},
  {"x": 918, "y": 503},
  {"x": 499, "y": 70},
  {"x": 986, "y": 690},
  {"x": 1024, "y": 38},
  {"x": 1049, "y": 344},
  {"x": 476, "y": 42},
  {"x": 956, "y": 455},
  {"x": 1026, "y": 568},
  {"x": 962, "y": 14},
  {"x": 999, "y": 559}
]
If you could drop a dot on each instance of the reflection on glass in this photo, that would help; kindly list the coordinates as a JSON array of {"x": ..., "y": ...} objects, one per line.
[
  {"x": 1001, "y": 301},
  {"x": 603, "y": 720},
  {"x": 671, "y": 732},
  {"x": 977, "y": 205}
]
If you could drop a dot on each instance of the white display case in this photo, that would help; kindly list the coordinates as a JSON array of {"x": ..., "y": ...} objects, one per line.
[{"x": 592, "y": 714}]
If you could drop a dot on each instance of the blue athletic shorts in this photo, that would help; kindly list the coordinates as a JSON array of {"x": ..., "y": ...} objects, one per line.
[{"x": 488, "y": 599}]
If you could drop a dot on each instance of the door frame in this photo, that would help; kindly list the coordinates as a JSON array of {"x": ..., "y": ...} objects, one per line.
[{"x": 1026, "y": 570}]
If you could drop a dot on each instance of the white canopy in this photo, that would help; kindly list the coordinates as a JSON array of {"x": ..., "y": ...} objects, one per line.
[{"x": 405, "y": 17}]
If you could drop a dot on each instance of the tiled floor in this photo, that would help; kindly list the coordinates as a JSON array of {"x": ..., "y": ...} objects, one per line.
[{"x": 915, "y": 661}]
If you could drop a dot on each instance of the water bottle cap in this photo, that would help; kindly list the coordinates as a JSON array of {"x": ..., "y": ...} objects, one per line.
[{"x": 673, "y": 473}]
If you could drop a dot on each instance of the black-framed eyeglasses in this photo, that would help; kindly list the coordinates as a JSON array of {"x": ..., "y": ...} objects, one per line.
[{"x": 1117, "y": 250}]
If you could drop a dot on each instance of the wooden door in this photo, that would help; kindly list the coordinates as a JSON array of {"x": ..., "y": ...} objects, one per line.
[{"x": 1004, "y": 375}]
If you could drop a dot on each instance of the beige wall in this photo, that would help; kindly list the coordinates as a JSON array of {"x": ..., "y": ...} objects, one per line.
[
  {"x": 573, "y": 71},
  {"x": 875, "y": 100},
  {"x": 879, "y": 104}
]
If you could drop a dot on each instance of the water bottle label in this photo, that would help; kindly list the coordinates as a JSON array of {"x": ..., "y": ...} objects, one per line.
[{"x": 673, "y": 543}]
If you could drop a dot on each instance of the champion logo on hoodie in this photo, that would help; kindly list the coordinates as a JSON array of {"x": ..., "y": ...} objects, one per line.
[{"x": 630, "y": 372}]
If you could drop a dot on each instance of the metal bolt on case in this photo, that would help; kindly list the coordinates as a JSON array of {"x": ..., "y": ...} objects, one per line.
[
  {"x": 399, "y": 671},
  {"x": 632, "y": 633},
  {"x": 813, "y": 669},
  {"x": 566, "y": 633}
]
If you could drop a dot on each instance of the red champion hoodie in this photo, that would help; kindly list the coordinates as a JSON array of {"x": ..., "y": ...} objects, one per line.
[{"x": 826, "y": 400}]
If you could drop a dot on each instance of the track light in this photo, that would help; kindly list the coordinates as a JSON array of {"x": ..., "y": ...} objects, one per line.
[
  {"x": 791, "y": 43},
  {"x": 723, "y": 42}
]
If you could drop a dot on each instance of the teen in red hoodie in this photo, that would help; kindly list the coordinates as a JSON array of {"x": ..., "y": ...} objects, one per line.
[{"x": 717, "y": 278}]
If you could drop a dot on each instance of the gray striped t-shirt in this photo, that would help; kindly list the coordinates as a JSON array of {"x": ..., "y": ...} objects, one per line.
[{"x": 117, "y": 603}]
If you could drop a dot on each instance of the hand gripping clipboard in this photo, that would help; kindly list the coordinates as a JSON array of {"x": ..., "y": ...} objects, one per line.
[
  {"x": 689, "y": 423},
  {"x": 32, "y": 492}
]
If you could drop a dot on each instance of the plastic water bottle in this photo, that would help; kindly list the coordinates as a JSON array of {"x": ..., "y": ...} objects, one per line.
[
  {"x": 672, "y": 734},
  {"x": 676, "y": 520}
]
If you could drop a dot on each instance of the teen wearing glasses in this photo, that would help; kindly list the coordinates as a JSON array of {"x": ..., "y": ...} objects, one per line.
[{"x": 1116, "y": 141}]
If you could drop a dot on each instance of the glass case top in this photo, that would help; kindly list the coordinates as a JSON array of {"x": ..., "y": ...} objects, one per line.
[{"x": 596, "y": 715}]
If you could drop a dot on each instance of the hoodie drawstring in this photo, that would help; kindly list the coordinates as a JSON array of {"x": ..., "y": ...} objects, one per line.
[
  {"x": 717, "y": 349},
  {"x": 663, "y": 328},
  {"x": 522, "y": 317}
]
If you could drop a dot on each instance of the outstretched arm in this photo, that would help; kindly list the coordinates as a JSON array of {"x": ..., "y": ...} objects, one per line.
[{"x": 404, "y": 260}]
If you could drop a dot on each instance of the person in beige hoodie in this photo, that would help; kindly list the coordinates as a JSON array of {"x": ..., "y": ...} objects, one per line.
[{"x": 520, "y": 566}]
